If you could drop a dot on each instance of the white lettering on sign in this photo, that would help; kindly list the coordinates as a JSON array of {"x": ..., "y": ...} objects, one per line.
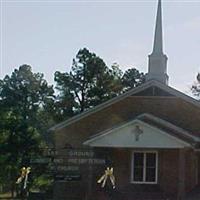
[
  {"x": 80, "y": 153},
  {"x": 86, "y": 161},
  {"x": 58, "y": 160},
  {"x": 68, "y": 168}
]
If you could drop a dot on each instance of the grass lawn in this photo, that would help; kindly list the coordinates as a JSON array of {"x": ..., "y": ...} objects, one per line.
[{"x": 7, "y": 196}]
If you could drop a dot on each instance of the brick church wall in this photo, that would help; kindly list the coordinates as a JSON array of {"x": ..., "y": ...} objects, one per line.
[
  {"x": 191, "y": 170},
  {"x": 168, "y": 171},
  {"x": 171, "y": 109}
]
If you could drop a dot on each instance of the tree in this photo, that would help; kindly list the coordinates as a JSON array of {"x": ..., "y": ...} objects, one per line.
[
  {"x": 23, "y": 98},
  {"x": 88, "y": 83},
  {"x": 132, "y": 78},
  {"x": 107, "y": 84},
  {"x": 196, "y": 86},
  {"x": 91, "y": 82}
]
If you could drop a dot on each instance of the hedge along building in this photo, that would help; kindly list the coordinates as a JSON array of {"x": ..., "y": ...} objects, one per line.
[{"x": 150, "y": 134}]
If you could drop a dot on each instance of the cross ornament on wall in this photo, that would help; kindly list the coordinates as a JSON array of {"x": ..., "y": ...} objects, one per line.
[{"x": 137, "y": 131}]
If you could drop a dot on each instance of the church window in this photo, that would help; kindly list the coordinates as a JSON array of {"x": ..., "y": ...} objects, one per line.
[{"x": 144, "y": 167}]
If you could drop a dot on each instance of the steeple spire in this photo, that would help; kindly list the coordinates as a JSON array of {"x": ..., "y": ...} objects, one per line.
[
  {"x": 158, "y": 60},
  {"x": 158, "y": 46}
]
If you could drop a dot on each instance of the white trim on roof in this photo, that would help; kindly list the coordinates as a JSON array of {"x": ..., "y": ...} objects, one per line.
[{"x": 122, "y": 136}]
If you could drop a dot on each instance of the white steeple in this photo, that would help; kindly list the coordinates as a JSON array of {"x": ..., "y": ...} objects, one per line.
[{"x": 157, "y": 69}]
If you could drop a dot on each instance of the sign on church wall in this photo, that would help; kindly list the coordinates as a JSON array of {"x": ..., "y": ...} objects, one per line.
[{"x": 70, "y": 163}]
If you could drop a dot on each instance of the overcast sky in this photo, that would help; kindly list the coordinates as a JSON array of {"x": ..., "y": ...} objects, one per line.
[{"x": 48, "y": 34}]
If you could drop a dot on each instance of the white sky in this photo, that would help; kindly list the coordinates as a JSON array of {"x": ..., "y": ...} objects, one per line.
[{"x": 48, "y": 34}]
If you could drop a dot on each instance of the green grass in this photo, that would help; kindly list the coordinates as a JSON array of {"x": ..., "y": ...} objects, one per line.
[{"x": 7, "y": 196}]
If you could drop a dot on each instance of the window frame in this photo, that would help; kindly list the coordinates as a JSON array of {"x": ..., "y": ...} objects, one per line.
[{"x": 144, "y": 168}]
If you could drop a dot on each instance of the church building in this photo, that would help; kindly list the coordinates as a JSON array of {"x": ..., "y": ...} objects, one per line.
[{"x": 149, "y": 135}]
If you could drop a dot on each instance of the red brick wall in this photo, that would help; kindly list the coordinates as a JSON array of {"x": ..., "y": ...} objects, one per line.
[
  {"x": 191, "y": 170},
  {"x": 168, "y": 170},
  {"x": 122, "y": 166},
  {"x": 168, "y": 174}
]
